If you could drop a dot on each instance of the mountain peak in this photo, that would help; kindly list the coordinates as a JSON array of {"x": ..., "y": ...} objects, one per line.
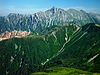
[
  {"x": 11, "y": 14},
  {"x": 72, "y": 10},
  {"x": 82, "y": 11},
  {"x": 15, "y": 14},
  {"x": 53, "y": 9}
]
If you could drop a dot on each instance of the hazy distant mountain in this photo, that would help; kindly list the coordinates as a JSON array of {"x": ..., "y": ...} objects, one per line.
[{"x": 41, "y": 20}]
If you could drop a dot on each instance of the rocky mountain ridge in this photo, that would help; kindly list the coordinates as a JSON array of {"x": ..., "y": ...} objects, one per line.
[{"x": 41, "y": 20}]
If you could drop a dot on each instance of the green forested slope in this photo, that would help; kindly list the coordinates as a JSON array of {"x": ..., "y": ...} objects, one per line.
[
  {"x": 23, "y": 55},
  {"x": 82, "y": 51},
  {"x": 68, "y": 45}
]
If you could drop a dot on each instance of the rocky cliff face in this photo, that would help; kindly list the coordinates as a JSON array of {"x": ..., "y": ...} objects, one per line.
[{"x": 41, "y": 20}]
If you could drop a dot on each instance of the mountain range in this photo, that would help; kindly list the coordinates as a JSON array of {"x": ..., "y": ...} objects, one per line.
[
  {"x": 53, "y": 42},
  {"x": 41, "y": 20}
]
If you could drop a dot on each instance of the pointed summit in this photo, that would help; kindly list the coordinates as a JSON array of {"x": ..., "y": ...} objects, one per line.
[
  {"x": 72, "y": 10},
  {"x": 82, "y": 11},
  {"x": 53, "y": 9},
  {"x": 11, "y": 14}
]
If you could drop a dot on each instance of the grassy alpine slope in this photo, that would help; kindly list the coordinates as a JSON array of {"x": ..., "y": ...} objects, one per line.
[{"x": 64, "y": 71}]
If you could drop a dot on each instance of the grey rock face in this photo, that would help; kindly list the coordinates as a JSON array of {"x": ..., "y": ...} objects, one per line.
[{"x": 41, "y": 20}]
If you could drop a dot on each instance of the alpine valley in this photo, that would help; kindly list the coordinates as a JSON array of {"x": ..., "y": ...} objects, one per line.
[{"x": 54, "y": 42}]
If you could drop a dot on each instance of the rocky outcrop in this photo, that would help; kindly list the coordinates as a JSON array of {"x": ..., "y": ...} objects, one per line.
[{"x": 18, "y": 34}]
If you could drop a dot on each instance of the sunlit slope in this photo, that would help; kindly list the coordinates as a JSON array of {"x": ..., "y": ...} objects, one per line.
[{"x": 64, "y": 71}]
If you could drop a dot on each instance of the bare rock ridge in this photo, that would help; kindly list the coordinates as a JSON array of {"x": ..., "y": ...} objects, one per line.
[
  {"x": 18, "y": 34},
  {"x": 41, "y": 20}
]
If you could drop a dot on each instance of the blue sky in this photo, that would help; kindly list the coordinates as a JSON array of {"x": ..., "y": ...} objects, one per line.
[{"x": 32, "y": 6}]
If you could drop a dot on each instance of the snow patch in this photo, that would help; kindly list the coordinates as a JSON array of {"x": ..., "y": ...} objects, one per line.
[
  {"x": 45, "y": 62},
  {"x": 7, "y": 72},
  {"x": 53, "y": 33},
  {"x": 91, "y": 59},
  {"x": 22, "y": 52},
  {"x": 20, "y": 62},
  {"x": 12, "y": 59},
  {"x": 16, "y": 46},
  {"x": 76, "y": 29},
  {"x": 19, "y": 47}
]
